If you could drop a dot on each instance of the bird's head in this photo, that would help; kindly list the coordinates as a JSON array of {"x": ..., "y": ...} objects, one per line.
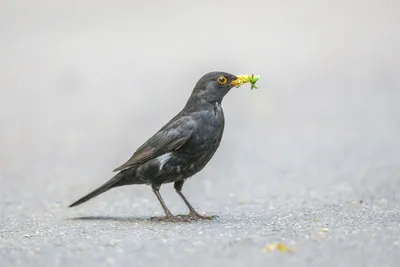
[{"x": 213, "y": 86}]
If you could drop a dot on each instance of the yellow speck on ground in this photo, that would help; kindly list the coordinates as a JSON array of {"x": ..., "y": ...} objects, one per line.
[{"x": 279, "y": 247}]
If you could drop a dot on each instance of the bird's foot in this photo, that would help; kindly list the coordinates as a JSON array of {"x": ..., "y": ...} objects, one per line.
[
  {"x": 170, "y": 218},
  {"x": 194, "y": 216}
]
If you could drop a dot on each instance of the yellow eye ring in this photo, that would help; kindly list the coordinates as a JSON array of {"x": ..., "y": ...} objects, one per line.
[{"x": 221, "y": 80}]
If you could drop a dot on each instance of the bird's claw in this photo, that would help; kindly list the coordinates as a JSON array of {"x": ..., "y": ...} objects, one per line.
[
  {"x": 194, "y": 216},
  {"x": 183, "y": 218}
]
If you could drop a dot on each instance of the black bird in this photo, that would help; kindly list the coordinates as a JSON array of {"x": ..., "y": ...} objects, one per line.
[{"x": 182, "y": 147}]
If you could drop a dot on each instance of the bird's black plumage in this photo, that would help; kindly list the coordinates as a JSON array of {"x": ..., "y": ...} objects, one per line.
[{"x": 181, "y": 148}]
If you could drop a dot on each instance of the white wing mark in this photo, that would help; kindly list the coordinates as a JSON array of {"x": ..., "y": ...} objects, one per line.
[{"x": 163, "y": 159}]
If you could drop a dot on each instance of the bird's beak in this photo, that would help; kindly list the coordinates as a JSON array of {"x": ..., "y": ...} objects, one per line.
[{"x": 241, "y": 79}]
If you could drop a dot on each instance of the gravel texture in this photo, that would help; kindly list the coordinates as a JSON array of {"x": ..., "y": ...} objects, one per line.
[{"x": 310, "y": 160}]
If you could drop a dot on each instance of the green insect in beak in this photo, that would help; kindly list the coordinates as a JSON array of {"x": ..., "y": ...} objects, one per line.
[{"x": 253, "y": 80}]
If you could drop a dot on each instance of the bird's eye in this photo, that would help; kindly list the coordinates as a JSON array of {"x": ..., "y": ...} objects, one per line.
[{"x": 221, "y": 80}]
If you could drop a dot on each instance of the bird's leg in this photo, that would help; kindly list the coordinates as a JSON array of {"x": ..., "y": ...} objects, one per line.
[
  {"x": 168, "y": 215},
  {"x": 193, "y": 214}
]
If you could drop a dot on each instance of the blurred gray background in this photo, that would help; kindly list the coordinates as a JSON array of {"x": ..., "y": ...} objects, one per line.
[{"x": 84, "y": 83}]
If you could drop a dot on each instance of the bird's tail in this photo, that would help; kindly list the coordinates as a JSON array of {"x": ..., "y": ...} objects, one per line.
[{"x": 117, "y": 180}]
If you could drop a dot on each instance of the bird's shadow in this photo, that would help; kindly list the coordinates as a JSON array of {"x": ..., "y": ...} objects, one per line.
[
  {"x": 258, "y": 220},
  {"x": 111, "y": 218},
  {"x": 128, "y": 219}
]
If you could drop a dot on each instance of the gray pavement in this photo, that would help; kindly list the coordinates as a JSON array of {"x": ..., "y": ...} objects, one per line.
[{"x": 310, "y": 160}]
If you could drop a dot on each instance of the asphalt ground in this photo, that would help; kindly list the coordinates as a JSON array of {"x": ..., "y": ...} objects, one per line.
[{"x": 309, "y": 161}]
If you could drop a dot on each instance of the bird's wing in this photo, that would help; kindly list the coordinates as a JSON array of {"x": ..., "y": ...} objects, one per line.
[{"x": 171, "y": 137}]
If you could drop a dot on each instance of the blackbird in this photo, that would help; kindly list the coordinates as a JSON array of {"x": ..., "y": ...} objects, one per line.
[{"x": 181, "y": 148}]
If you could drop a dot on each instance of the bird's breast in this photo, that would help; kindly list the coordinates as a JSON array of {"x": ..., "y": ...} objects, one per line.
[
  {"x": 208, "y": 134},
  {"x": 199, "y": 148},
  {"x": 212, "y": 125}
]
